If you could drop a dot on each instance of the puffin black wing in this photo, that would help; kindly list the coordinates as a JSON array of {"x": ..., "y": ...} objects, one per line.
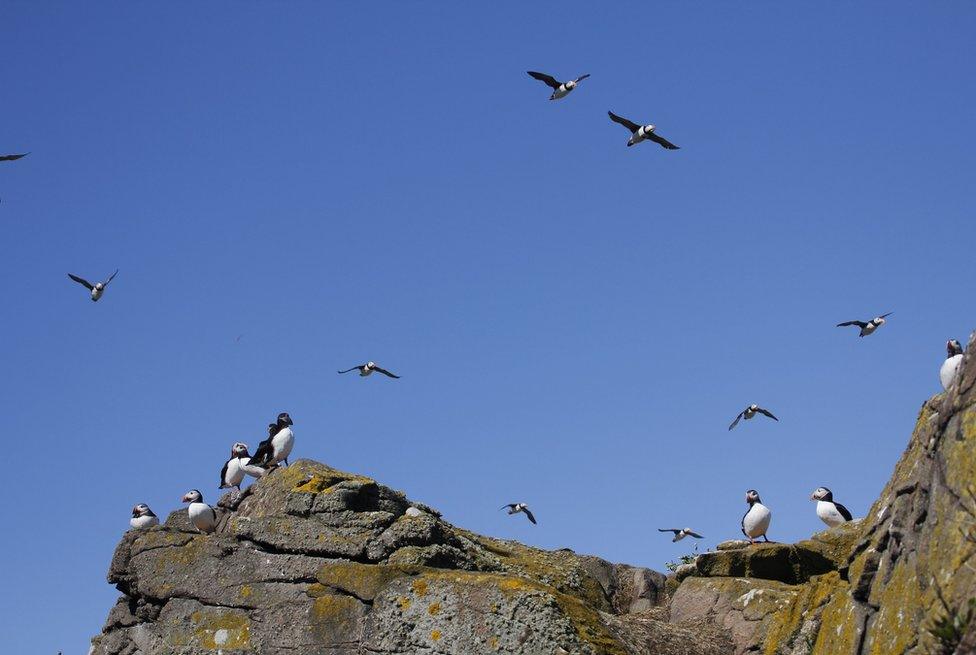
[
  {"x": 81, "y": 280},
  {"x": 660, "y": 140},
  {"x": 886, "y": 315},
  {"x": 263, "y": 454},
  {"x": 223, "y": 476},
  {"x": 674, "y": 530},
  {"x": 548, "y": 79},
  {"x": 766, "y": 412},
  {"x": 12, "y": 157},
  {"x": 582, "y": 77},
  {"x": 736, "y": 421},
  {"x": 860, "y": 324},
  {"x": 846, "y": 513},
  {"x": 630, "y": 125},
  {"x": 695, "y": 535},
  {"x": 354, "y": 368},
  {"x": 742, "y": 523},
  {"x": 529, "y": 514},
  {"x": 385, "y": 372},
  {"x": 509, "y": 506},
  {"x": 111, "y": 277}
]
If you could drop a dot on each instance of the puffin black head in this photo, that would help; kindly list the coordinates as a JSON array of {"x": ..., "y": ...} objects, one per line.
[
  {"x": 752, "y": 497},
  {"x": 284, "y": 420},
  {"x": 192, "y": 496},
  {"x": 953, "y": 347},
  {"x": 239, "y": 449},
  {"x": 142, "y": 509},
  {"x": 822, "y": 493}
]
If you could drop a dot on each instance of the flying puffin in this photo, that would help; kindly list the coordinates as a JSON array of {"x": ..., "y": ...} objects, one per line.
[
  {"x": 830, "y": 512},
  {"x": 276, "y": 448},
  {"x": 368, "y": 368},
  {"x": 755, "y": 522},
  {"x": 867, "y": 327},
  {"x": 96, "y": 289},
  {"x": 950, "y": 367},
  {"x": 234, "y": 468},
  {"x": 13, "y": 157},
  {"x": 681, "y": 533},
  {"x": 560, "y": 89},
  {"x": 640, "y": 133},
  {"x": 202, "y": 516},
  {"x": 751, "y": 411},
  {"x": 143, "y": 518},
  {"x": 515, "y": 508}
]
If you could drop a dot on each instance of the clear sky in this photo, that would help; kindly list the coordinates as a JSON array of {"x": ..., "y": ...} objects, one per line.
[{"x": 576, "y": 322}]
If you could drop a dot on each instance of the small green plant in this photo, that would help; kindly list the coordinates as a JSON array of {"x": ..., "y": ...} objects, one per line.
[
  {"x": 949, "y": 629},
  {"x": 684, "y": 559}
]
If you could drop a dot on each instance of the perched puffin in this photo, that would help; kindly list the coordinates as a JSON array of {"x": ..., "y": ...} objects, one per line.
[
  {"x": 640, "y": 133},
  {"x": 560, "y": 89},
  {"x": 143, "y": 518},
  {"x": 276, "y": 448},
  {"x": 755, "y": 522},
  {"x": 681, "y": 533},
  {"x": 950, "y": 367},
  {"x": 867, "y": 327},
  {"x": 515, "y": 508},
  {"x": 751, "y": 411},
  {"x": 233, "y": 472},
  {"x": 830, "y": 512},
  {"x": 13, "y": 157},
  {"x": 368, "y": 368},
  {"x": 96, "y": 289},
  {"x": 202, "y": 516}
]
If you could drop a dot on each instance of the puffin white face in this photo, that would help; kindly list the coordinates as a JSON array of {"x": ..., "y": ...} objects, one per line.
[
  {"x": 953, "y": 347},
  {"x": 370, "y": 365},
  {"x": 238, "y": 450},
  {"x": 753, "y": 408},
  {"x": 649, "y": 128},
  {"x": 752, "y": 496},
  {"x": 820, "y": 493},
  {"x": 192, "y": 496},
  {"x": 140, "y": 510},
  {"x": 879, "y": 321}
]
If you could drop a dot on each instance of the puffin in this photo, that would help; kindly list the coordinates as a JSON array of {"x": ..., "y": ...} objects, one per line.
[
  {"x": 276, "y": 448},
  {"x": 96, "y": 289},
  {"x": 143, "y": 518},
  {"x": 368, "y": 368},
  {"x": 750, "y": 412},
  {"x": 640, "y": 133},
  {"x": 515, "y": 508},
  {"x": 867, "y": 327},
  {"x": 950, "y": 367},
  {"x": 830, "y": 512},
  {"x": 202, "y": 516},
  {"x": 234, "y": 468},
  {"x": 681, "y": 533},
  {"x": 13, "y": 157},
  {"x": 560, "y": 89},
  {"x": 755, "y": 522}
]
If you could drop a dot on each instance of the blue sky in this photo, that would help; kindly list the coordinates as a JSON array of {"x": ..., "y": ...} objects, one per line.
[{"x": 576, "y": 322}]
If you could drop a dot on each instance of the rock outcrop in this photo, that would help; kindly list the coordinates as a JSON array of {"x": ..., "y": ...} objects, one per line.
[{"x": 312, "y": 560}]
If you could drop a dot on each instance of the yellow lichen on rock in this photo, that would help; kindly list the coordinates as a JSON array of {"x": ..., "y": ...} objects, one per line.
[{"x": 221, "y": 630}]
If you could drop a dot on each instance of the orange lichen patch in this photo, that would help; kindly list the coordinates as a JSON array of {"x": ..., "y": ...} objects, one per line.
[
  {"x": 434, "y": 608},
  {"x": 420, "y": 587},
  {"x": 225, "y": 630},
  {"x": 436, "y": 635},
  {"x": 403, "y": 602}
]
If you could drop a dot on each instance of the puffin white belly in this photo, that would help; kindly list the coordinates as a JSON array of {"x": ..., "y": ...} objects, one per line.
[
  {"x": 756, "y": 520},
  {"x": 950, "y": 368},
  {"x": 252, "y": 470},
  {"x": 281, "y": 444},
  {"x": 561, "y": 92},
  {"x": 828, "y": 514},
  {"x": 143, "y": 522},
  {"x": 96, "y": 294},
  {"x": 869, "y": 328},
  {"x": 202, "y": 517},
  {"x": 235, "y": 472}
]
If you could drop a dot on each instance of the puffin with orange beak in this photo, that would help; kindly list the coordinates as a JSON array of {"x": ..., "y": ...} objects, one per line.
[
  {"x": 143, "y": 518},
  {"x": 202, "y": 516},
  {"x": 755, "y": 523},
  {"x": 950, "y": 367},
  {"x": 233, "y": 472},
  {"x": 276, "y": 448}
]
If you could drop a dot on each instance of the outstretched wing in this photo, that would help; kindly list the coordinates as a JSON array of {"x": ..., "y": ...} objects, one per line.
[
  {"x": 674, "y": 530},
  {"x": 767, "y": 413},
  {"x": 846, "y": 513},
  {"x": 354, "y": 368},
  {"x": 12, "y": 157},
  {"x": 860, "y": 324},
  {"x": 660, "y": 140},
  {"x": 695, "y": 535},
  {"x": 548, "y": 79},
  {"x": 529, "y": 514},
  {"x": 886, "y": 315},
  {"x": 111, "y": 277},
  {"x": 81, "y": 280},
  {"x": 509, "y": 506},
  {"x": 385, "y": 372},
  {"x": 736, "y": 421},
  {"x": 630, "y": 125},
  {"x": 582, "y": 77}
]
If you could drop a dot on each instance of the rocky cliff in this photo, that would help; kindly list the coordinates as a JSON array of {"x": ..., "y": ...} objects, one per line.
[{"x": 313, "y": 560}]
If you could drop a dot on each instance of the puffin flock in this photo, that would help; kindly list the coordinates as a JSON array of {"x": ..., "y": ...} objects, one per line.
[{"x": 273, "y": 451}]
